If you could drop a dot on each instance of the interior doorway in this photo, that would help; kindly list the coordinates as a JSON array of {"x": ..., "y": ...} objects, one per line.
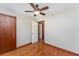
[{"x": 41, "y": 31}]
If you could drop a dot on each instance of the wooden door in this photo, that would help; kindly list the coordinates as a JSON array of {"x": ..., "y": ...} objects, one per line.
[{"x": 7, "y": 33}]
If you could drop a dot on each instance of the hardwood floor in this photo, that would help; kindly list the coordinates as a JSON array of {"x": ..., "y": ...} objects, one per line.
[{"x": 38, "y": 49}]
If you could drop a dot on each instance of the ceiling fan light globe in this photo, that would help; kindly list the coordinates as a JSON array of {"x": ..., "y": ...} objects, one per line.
[{"x": 37, "y": 12}]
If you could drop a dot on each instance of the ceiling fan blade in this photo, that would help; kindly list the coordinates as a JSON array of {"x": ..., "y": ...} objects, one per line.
[
  {"x": 33, "y": 6},
  {"x": 44, "y": 8},
  {"x": 37, "y": 7},
  {"x": 28, "y": 11},
  {"x": 42, "y": 13}
]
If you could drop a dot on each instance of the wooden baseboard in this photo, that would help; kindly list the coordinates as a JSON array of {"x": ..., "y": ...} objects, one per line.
[{"x": 62, "y": 49}]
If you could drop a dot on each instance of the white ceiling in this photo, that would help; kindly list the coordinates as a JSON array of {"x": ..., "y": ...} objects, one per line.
[{"x": 53, "y": 7}]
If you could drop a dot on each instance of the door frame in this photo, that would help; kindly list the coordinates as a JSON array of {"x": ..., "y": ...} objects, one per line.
[{"x": 43, "y": 28}]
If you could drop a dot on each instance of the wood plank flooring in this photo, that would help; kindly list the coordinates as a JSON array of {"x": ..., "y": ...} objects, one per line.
[{"x": 38, "y": 49}]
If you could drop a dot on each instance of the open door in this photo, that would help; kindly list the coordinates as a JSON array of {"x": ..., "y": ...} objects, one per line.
[{"x": 34, "y": 31}]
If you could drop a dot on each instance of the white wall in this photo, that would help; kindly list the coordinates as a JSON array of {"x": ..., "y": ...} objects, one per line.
[
  {"x": 77, "y": 28},
  {"x": 24, "y": 30},
  {"x": 24, "y": 25},
  {"x": 40, "y": 31},
  {"x": 62, "y": 29}
]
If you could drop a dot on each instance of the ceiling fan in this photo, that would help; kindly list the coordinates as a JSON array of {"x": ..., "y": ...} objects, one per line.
[{"x": 37, "y": 10}]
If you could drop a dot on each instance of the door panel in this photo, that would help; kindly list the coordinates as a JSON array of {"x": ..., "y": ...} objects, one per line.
[
  {"x": 7, "y": 33},
  {"x": 34, "y": 32}
]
